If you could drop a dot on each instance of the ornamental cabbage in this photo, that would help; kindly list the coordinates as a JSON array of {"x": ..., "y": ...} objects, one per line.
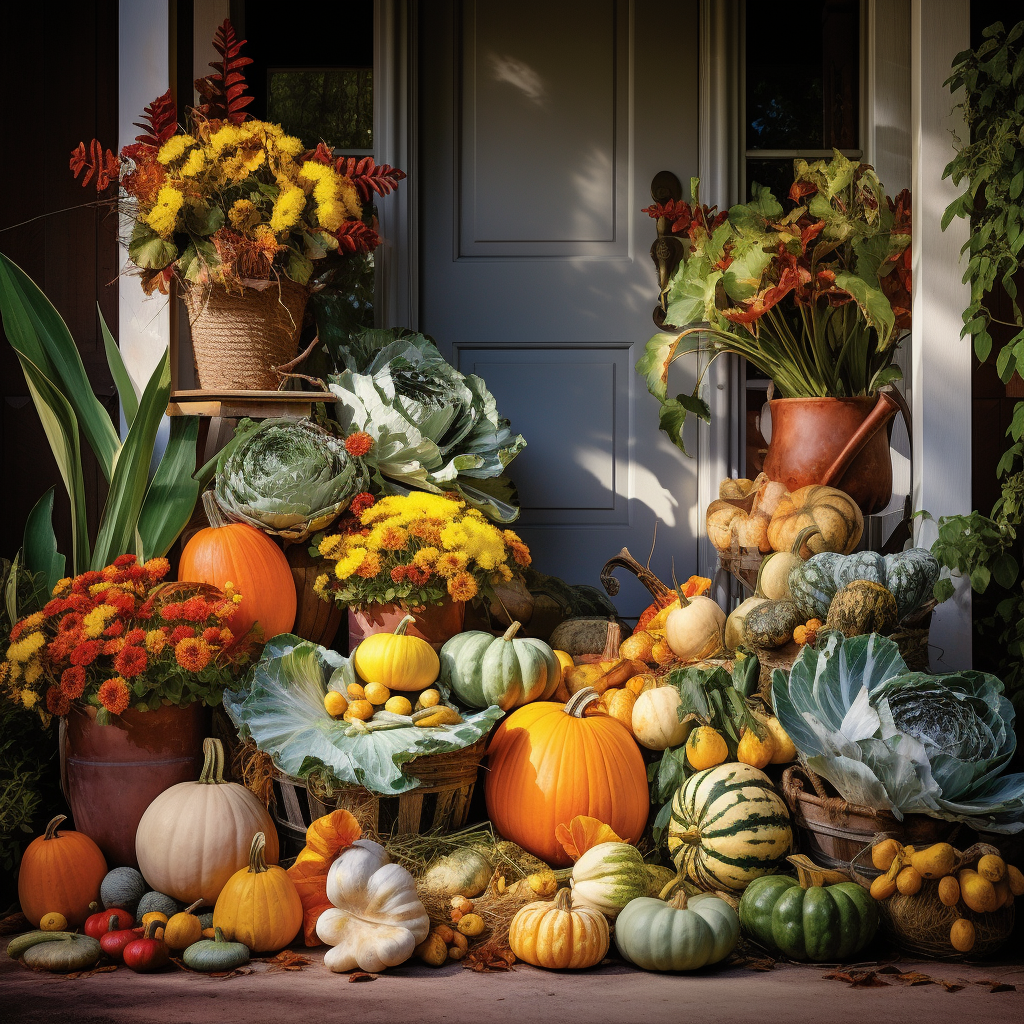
[
  {"x": 434, "y": 429},
  {"x": 902, "y": 741},
  {"x": 288, "y": 478}
]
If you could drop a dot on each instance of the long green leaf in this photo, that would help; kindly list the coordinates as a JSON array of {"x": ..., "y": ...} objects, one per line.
[
  {"x": 130, "y": 480},
  {"x": 11, "y": 590},
  {"x": 172, "y": 495},
  {"x": 61, "y": 427},
  {"x": 40, "y": 543},
  {"x": 37, "y": 331},
  {"x": 125, "y": 387}
]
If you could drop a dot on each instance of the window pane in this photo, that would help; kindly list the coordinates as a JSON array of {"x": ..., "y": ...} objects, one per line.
[
  {"x": 774, "y": 174},
  {"x": 333, "y": 104}
]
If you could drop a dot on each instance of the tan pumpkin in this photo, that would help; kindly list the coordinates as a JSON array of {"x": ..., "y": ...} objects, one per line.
[
  {"x": 731, "y": 523},
  {"x": 656, "y": 722},
  {"x": 835, "y": 514},
  {"x": 196, "y": 835}
]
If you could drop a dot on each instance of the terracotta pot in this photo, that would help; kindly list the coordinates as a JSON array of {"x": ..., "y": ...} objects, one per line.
[
  {"x": 316, "y": 620},
  {"x": 114, "y": 772},
  {"x": 435, "y": 623},
  {"x": 836, "y": 441}
]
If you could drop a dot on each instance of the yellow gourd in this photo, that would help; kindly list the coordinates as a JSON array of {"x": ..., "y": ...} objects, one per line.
[
  {"x": 259, "y": 906},
  {"x": 977, "y": 892},
  {"x": 934, "y": 862},
  {"x": 376, "y": 693},
  {"x": 992, "y": 867},
  {"x": 184, "y": 928},
  {"x": 153, "y": 915},
  {"x": 694, "y": 630},
  {"x": 398, "y": 661},
  {"x": 619, "y": 703},
  {"x": 785, "y": 748},
  {"x": 1003, "y": 895},
  {"x": 428, "y": 699},
  {"x": 335, "y": 704},
  {"x": 1016, "y": 880},
  {"x": 755, "y": 750},
  {"x": 359, "y": 709},
  {"x": 638, "y": 647},
  {"x": 471, "y": 925},
  {"x": 355, "y": 691},
  {"x": 908, "y": 881},
  {"x": 883, "y": 887},
  {"x": 398, "y": 705},
  {"x": 557, "y": 935},
  {"x": 662, "y": 653},
  {"x": 53, "y": 922},
  {"x": 884, "y": 853},
  {"x": 949, "y": 891},
  {"x": 433, "y": 950},
  {"x": 442, "y": 715},
  {"x": 705, "y": 748},
  {"x": 961, "y": 935}
]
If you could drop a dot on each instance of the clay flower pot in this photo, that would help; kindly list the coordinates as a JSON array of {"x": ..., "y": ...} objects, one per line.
[{"x": 434, "y": 623}]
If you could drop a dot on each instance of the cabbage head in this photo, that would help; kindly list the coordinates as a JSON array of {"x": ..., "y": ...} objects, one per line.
[
  {"x": 434, "y": 428},
  {"x": 902, "y": 741},
  {"x": 288, "y": 478}
]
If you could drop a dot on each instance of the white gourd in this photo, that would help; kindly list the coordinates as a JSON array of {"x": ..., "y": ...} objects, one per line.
[
  {"x": 694, "y": 629},
  {"x": 656, "y": 722}
]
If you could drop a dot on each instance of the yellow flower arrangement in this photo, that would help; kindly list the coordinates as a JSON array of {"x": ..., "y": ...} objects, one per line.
[{"x": 414, "y": 550}]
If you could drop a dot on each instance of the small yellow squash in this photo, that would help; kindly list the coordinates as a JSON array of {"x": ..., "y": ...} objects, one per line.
[{"x": 399, "y": 661}]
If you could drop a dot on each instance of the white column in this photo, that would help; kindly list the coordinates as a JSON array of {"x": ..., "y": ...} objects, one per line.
[
  {"x": 143, "y": 74},
  {"x": 941, "y": 359}
]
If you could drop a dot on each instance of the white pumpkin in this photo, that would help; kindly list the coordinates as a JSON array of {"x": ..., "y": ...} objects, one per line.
[
  {"x": 196, "y": 835},
  {"x": 378, "y": 920},
  {"x": 656, "y": 719},
  {"x": 608, "y": 876},
  {"x": 694, "y": 630}
]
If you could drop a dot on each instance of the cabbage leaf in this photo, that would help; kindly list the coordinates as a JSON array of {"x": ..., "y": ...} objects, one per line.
[{"x": 279, "y": 704}]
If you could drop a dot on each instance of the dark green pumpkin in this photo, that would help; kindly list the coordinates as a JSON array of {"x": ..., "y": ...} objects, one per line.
[
  {"x": 864, "y": 565},
  {"x": 911, "y": 577},
  {"x": 215, "y": 954},
  {"x": 159, "y": 902},
  {"x": 812, "y": 585},
  {"x": 862, "y": 607},
  {"x": 771, "y": 624},
  {"x": 822, "y": 924},
  {"x": 122, "y": 888}
]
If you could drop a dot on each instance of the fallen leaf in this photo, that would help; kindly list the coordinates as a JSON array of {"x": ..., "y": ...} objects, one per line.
[
  {"x": 362, "y": 976},
  {"x": 857, "y": 979},
  {"x": 88, "y": 974},
  {"x": 915, "y": 978},
  {"x": 490, "y": 958},
  {"x": 288, "y": 960},
  {"x": 1002, "y": 986},
  {"x": 950, "y": 986}
]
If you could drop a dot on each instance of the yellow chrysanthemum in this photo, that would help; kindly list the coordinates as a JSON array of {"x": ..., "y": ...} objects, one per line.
[
  {"x": 241, "y": 214},
  {"x": 332, "y": 546},
  {"x": 20, "y": 652},
  {"x": 290, "y": 145},
  {"x": 32, "y": 621},
  {"x": 288, "y": 209},
  {"x": 61, "y": 585},
  {"x": 320, "y": 585},
  {"x": 450, "y": 563},
  {"x": 226, "y": 136},
  {"x": 164, "y": 215},
  {"x": 194, "y": 163},
  {"x": 174, "y": 148},
  {"x": 156, "y": 641},
  {"x": 29, "y": 698},
  {"x": 349, "y": 563},
  {"x": 33, "y": 670},
  {"x": 96, "y": 621},
  {"x": 371, "y": 565},
  {"x": 426, "y": 557}
]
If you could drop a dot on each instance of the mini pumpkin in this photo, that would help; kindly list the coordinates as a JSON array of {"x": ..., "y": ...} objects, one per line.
[
  {"x": 607, "y": 876},
  {"x": 656, "y": 721},
  {"x": 558, "y": 935},
  {"x": 399, "y": 661}
]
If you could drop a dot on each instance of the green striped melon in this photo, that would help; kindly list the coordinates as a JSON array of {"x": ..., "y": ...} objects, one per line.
[
  {"x": 728, "y": 827},
  {"x": 608, "y": 876}
]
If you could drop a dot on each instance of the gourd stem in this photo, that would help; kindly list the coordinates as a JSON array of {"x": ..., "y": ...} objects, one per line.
[
  {"x": 213, "y": 762},
  {"x": 691, "y": 837},
  {"x": 257, "y": 861},
  {"x": 684, "y": 601},
  {"x": 581, "y": 700},
  {"x": 113, "y": 923},
  {"x": 563, "y": 899},
  {"x": 807, "y": 531},
  {"x": 51, "y": 828},
  {"x": 679, "y": 900},
  {"x": 512, "y": 630},
  {"x": 404, "y": 625},
  {"x": 218, "y": 935},
  {"x": 612, "y": 640},
  {"x": 214, "y": 515},
  {"x": 758, "y": 592},
  {"x": 150, "y": 930},
  {"x": 198, "y": 903}
]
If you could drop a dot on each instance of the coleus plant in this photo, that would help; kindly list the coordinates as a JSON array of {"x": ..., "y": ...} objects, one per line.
[{"x": 816, "y": 296}]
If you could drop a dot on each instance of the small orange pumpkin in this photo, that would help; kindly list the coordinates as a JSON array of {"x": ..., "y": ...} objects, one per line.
[
  {"x": 239, "y": 554},
  {"x": 60, "y": 872}
]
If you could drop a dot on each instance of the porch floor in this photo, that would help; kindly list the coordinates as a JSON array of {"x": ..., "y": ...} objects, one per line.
[{"x": 612, "y": 992}]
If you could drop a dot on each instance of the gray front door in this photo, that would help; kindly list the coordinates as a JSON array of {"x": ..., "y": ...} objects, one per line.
[{"x": 540, "y": 127}]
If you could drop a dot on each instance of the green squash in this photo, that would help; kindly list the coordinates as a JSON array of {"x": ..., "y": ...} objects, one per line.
[
  {"x": 910, "y": 576},
  {"x": 684, "y": 934},
  {"x": 812, "y": 585},
  {"x": 75, "y": 953},
  {"x": 862, "y": 607},
  {"x": 206, "y": 920},
  {"x": 159, "y": 902},
  {"x": 864, "y": 565},
  {"x": 735, "y": 624},
  {"x": 483, "y": 670},
  {"x": 465, "y": 872},
  {"x": 823, "y": 924},
  {"x": 215, "y": 954},
  {"x": 122, "y": 888},
  {"x": 608, "y": 876},
  {"x": 728, "y": 826},
  {"x": 771, "y": 624}
]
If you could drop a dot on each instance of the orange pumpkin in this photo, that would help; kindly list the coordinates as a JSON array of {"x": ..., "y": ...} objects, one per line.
[
  {"x": 60, "y": 872},
  {"x": 547, "y": 764},
  {"x": 239, "y": 554}
]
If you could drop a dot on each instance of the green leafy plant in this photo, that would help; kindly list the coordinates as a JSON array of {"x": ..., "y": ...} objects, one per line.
[
  {"x": 816, "y": 296},
  {"x": 140, "y": 516}
]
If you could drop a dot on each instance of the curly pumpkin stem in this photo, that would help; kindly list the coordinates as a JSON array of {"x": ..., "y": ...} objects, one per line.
[
  {"x": 807, "y": 531},
  {"x": 684, "y": 601},
  {"x": 54, "y": 823},
  {"x": 404, "y": 625},
  {"x": 257, "y": 860},
  {"x": 580, "y": 701},
  {"x": 213, "y": 762}
]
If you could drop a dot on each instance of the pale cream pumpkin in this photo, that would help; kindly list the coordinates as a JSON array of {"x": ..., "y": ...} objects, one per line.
[
  {"x": 694, "y": 629},
  {"x": 655, "y": 720},
  {"x": 196, "y": 835}
]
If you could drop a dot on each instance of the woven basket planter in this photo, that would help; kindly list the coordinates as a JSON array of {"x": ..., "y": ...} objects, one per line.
[{"x": 237, "y": 337}]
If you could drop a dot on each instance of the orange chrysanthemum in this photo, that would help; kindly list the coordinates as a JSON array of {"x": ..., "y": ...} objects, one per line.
[
  {"x": 398, "y": 573},
  {"x": 72, "y": 682},
  {"x": 394, "y": 538},
  {"x": 450, "y": 563},
  {"x": 192, "y": 654},
  {"x": 131, "y": 661},
  {"x": 358, "y": 444},
  {"x": 360, "y": 503},
  {"x": 195, "y": 609},
  {"x": 370, "y": 567},
  {"x": 115, "y": 696},
  {"x": 57, "y": 702},
  {"x": 462, "y": 587}
]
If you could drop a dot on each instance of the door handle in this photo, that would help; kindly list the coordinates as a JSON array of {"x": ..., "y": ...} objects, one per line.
[{"x": 667, "y": 248}]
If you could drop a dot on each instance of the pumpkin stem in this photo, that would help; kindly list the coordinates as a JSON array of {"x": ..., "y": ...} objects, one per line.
[
  {"x": 213, "y": 762},
  {"x": 581, "y": 700},
  {"x": 758, "y": 592},
  {"x": 218, "y": 935},
  {"x": 807, "y": 531},
  {"x": 404, "y": 625},
  {"x": 51, "y": 828},
  {"x": 512, "y": 630},
  {"x": 214, "y": 515},
  {"x": 679, "y": 900},
  {"x": 563, "y": 899},
  {"x": 190, "y": 910},
  {"x": 612, "y": 640},
  {"x": 257, "y": 861},
  {"x": 150, "y": 930},
  {"x": 112, "y": 923},
  {"x": 684, "y": 601}
]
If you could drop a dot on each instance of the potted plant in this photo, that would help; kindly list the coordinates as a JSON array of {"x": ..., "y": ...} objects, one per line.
[
  {"x": 816, "y": 295},
  {"x": 420, "y": 553},
  {"x": 240, "y": 213},
  {"x": 129, "y": 662}
]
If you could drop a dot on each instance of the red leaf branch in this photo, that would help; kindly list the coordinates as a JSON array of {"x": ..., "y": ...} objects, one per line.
[
  {"x": 104, "y": 164},
  {"x": 224, "y": 91},
  {"x": 366, "y": 175},
  {"x": 355, "y": 236},
  {"x": 160, "y": 121}
]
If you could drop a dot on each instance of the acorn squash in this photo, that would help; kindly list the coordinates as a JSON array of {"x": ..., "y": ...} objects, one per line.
[
  {"x": 771, "y": 624},
  {"x": 864, "y": 565},
  {"x": 910, "y": 576},
  {"x": 862, "y": 607}
]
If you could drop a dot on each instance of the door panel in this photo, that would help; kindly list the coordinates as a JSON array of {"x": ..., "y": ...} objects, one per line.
[{"x": 540, "y": 128}]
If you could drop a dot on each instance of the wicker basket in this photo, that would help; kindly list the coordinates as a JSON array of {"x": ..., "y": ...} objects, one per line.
[
  {"x": 832, "y": 832},
  {"x": 439, "y": 803},
  {"x": 920, "y": 924},
  {"x": 238, "y": 336}
]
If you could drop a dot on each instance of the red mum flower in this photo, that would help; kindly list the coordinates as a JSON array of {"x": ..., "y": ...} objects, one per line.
[
  {"x": 114, "y": 646},
  {"x": 116, "y": 628},
  {"x": 181, "y": 633},
  {"x": 115, "y": 696},
  {"x": 54, "y": 607},
  {"x": 86, "y": 580},
  {"x": 71, "y": 621},
  {"x": 212, "y": 634},
  {"x": 57, "y": 702},
  {"x": 398, "y": 573},
  {"x": 131, "y": 661},
  {"x": 122, "y": 560},
  {"x": 194, "y": 609},
  {"x": 72, "y": 682},
  {"x": 358, "y": 444},
  {"x": 135, "y": 636},
  {"x": 86, "y": 653},
  {"x": 361, "y": 502}
]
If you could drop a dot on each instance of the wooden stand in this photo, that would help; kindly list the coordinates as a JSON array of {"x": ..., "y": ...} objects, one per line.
[{"x": 236, "y": 404}]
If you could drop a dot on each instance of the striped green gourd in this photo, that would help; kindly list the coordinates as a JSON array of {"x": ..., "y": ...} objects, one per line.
[
  {"x": 728, "y": 827},
  {"x": 608, "y": 876},
  {"x": 812, "y": 584},
  {"x": 910, "y": 576},
  {"x": 864, "y": 565}
]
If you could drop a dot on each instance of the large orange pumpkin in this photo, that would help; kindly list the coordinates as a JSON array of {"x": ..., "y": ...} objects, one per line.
[
  {"x": 239, "y": 554},
  {"x": 60, "y": 872},
  {"x": 547, "y": 764}
]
